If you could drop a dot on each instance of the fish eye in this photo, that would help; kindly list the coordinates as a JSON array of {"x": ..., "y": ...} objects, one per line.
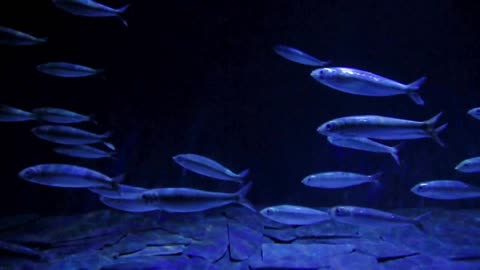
[
  {"x": 330, "y": 126},
  {"x": 269, "y": 211},
  {"x": 339, "y": 212},
  {"x": 28, "y": 173}
]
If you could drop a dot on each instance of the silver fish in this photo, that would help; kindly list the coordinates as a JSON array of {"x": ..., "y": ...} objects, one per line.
[
  {"x": 208, "y": 167},
  {"x": 474, "y": 112},
  {"x": 11, "y": 114},
  {"x": 359, "y": 82},
  {"x": 133, "y": 205},
  {"x": 61, "y": 116},
  {"x": 68, "y": 135},
  {"x": 446, "y": 190},
  {"x": 122, "y": 192},
  {"x": 90, "y": 8},
  {"x": 12, "y": 37},
  {"x": 185, "y": 200},
  {"x": 365, "y": 144},
  {"x": 362, "y": 216},
  {"x": 470, "y": 165},
  {"x": 339, "y": 179},
  {"x": 298, "y": 56},
  {"x": 294, "y": 214},
  {"x": 383, "y": 128},
  {"x": 83, "y": 151},
  {"x": 67, "y": 70},
  {"x": 67, "y": 176}
]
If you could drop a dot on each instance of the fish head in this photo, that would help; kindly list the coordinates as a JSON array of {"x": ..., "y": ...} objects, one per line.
[
  {"x": 324, "y": 75},
  {"x": 466, "y": 166},
  {"x": 308, "y": 179},
  {"x": 29, "y": 173},
  {"x": 339, "y": 212},
  {"x": 179, "y": 159},
  {"x": 329, "y": 128},
  {"x": 420, "y": 189},
  {"x": 475, "y": 113},
  {"x": 268, "y": 212}
]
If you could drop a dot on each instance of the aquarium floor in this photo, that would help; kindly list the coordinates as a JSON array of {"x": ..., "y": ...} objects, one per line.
[{"x": 234, "y": 238}]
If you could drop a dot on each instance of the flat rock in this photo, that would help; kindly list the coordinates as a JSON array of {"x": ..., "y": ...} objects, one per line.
[
  {"x": 13, "y": 222},
  {"x": 245, "y": 216},
  {"x": 243, "y": 240},
  {"x": 353, "y": 260},
  {"x": 15, "y": 250},
  {"x": 281, "y": 235},
  {"x": 425, "y": 262},
  {"x": 327, "y": 229},
  {"x": 158, "y": 263},
  {"x": 214, "y": 243},
  {"x": 157, "y": 251}
]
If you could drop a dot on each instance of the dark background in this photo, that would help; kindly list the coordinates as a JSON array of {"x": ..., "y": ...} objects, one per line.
[{"x": 201, "y": 77}]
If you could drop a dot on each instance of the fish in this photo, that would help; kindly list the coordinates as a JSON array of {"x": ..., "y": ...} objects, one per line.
[
  {"x": 359, "y": 82},
  {"x": 365, "y": 144},
  {"x": 474, "y": 112},
  {"x": 470, "y": 165},
  {"x": 68, "y": 70},
  {"x": 11, "y": 114},
  {"x": 294, "y": 214},
  {"x": 90, "y": 8},
  {"x": 446, "y": 190},
  {"x": 122, "y": 192},
  {"x": 68, "y": 176},
  {"x": 83, "y": 151},
  {"x": 383, "y": 128},
  {"x": 12, "y": 37},
  {"x": 298, "y": 56},
  {"x": 362, "y": 216},
  {"x": 208, "y": 167},
  {"x": 339, "y": 179},
  {"x": 68, "y": 135},
  {"x": 61, "y": 116},
  {"x": 187, "y": 200},
  {"x": 132, "y": 205}
]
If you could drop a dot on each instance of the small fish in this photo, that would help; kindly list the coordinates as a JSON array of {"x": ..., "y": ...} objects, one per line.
[
  {"x": 359, "y": 82},
  {"x": 383, "y": 128},
  {"x": 133, "y": 205},
  {"x": 339, "y": 179},
  {"x": 207, "y": 167},
  {"x": 446, "y": 190},
  {"x": 362, "y": 216},
  {"x": 90, "y": 8},
  {"x": 11, "y": 114},
  {"x": 365, "y": 144},
  {"x": 67, "y": 70},
  {"x": 470, "y": 165},
  {"x": 68, "y": 135},
  {"x": 123, "y": 192},
  {"x": 474, "y": 112},
  {"x": 185, "y": 200},
  {"x": 83, "y": 151},
  {"x": 295, "y": 215},
  {"x": 61, "y": 116},
  {"x": 298, "y": 56},
  {"x": 67, "y": 176},
  {"x": 12, "y": 37}
]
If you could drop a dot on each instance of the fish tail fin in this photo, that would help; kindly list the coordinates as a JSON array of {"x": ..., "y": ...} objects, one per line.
[
  {"x": 244, "y": 173},
  {"x": 413, "y": 87},
  {"x": 435, "y": 131},
  {"x": 110, "y": 146},
  {"x": 416, "y": 98},
  {"x": 93, "y": 119},
  {"x": 123, "y": 9},
  {"x": 376, "y": 178},
  {"x": 114, "y": 155},
  {"x": 418, "y": 221},
  {"x": 119, "y": 178},
  {"x": 107, "y": 134},
  {"x": 120, "y": 18},
  {"x": 242, "y": 193},
  {"x": 395, "y": 150},
  {"x": 44, "y": 39}
]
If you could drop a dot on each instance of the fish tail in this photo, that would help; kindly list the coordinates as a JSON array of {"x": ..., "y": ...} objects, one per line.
[
  {"x": 119, "y": 178},
  {"x": 93, "y": 119},
  {"x": 416, "y": 84},
  {"x": 413, "y": 87},
  {"x": 395, "y": 150},
  {"x": 242, "y": 193},
  {"x": 435, "y": 131},
  {"x": 123, "y": 9},
  {"x": 244, "y": 173},
  {"x": 416, "y": 98},
  {"x": 44, "y": 39},
  {"x": 376, "y": 178},
  {"x": 107, "y": 134},
  {"x": 110, "y": 146},
  {"x": 418, "y": 221}
]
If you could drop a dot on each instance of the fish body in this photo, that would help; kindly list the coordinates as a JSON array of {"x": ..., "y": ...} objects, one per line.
[
  {"x": 208, "y": 167},
  {"x": 383, "y": 128},
  {"x": 339, "y": 179},
  {"x": 132, "y": 205},
  {"x": 122, "y": 192},
  {"x": 66, "y": 176},
  {"x": 446, "y": 190},
  {"x": 68, "y": 135},
  {"x": 365, "y": 144},
  {"x": 186, "y": 200},
  {"x": 89, "y": 8},
  {"x": 83, "y": 151},
  {"x": 294, "y": 214},
  {"x": 60, "y": 116},
  {"x": 11, "y": 114},
  {"x": 12, "y": 37},
  {"x": 67, "y": 70},
  {"x": 298, "y": 56},
  {"x": 359, "y": 82},
  {"x": 470, "y": 165}
]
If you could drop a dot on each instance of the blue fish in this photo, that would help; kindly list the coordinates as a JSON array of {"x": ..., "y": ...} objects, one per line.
[
  {"x": 132, "y": 205},
  {"x": 61, "y": 116},
  {"x": 11, "y": 114},
  {"x": 67, "y": 70},
  {"x": 89, "y": 8},
  {"x": 12, "y": 37},
  {"x": 446, "y": 190},
  {"x": 298, "y": 56},
  {"x": 294, "y": 214},
  {"x": 68, "y": 135},
  {"x": 359, "y": 82},
  {"x": 83, "y": 151},
  {"x": 339, "y": 179}
]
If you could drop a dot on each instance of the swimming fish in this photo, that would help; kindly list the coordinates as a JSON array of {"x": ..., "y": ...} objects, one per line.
[
  {"x": 122, "y": 192},
  {"x": 67, "y": 70},
  {"x": 339, "y": 179},
  {"x": 359, "y": 82},
  {"x": 61, "y": 116},
  {"x": 294, "y": 214},
  {"x": 446, "y": 190},
  {"x": 383, "y": 128},
  {"x": 208, "y": 167},
  {"x": 90, "y": 8},
  {"x": 11, "y": 114},
  {"x": 470, "y": 165},
  {"x": 474, "y": 112},
  {"x": 298, "y": 56},
  {"x": 68, "y": 135},
  {"x": 365, "y": 144},
  {"x": 185, "y": 200},
  {"x": 362, "y": 216},
  {"x": 67, "y": 176},
  {"x": 133, "y": 205},
  {"x": 83, "y": 151},
  {"x": 12, "y": 37}
]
